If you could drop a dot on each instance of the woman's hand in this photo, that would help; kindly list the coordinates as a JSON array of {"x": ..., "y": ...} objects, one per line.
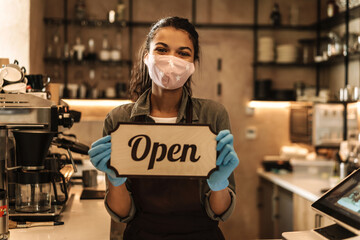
[
  {"x": 100, "y": 155},
  {"x": 227, "y": 161}
]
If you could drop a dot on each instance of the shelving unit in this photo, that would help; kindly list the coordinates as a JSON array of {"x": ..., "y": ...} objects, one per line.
[
  {"x": 129, "y": 24},
  {"x": 88, "y": 62},
  {"x": 321, "y": 25},
  {"x": 67, "y": 22},
  {"x": 284, "y": 27},
  {"x": 340, "y": 18}
]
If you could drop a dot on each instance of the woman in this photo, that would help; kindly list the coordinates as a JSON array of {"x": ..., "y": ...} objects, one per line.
[{"x": 158, "y": 208}]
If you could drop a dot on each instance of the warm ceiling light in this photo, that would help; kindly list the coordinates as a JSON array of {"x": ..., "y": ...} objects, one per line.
[{"x": 269, "y": 104}]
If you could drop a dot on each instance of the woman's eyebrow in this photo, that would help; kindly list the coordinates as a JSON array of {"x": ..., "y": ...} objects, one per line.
[
  {"x": 161, "y": 43},
  {"x": 182, "y": 48}
]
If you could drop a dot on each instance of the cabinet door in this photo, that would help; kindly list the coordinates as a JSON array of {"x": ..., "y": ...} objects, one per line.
[
  {"x": 285, "y": 211},
  {"x": 265, "y": 194},
  {"x": 305, "y": 218},
  {"x": 275, "y": 210}
]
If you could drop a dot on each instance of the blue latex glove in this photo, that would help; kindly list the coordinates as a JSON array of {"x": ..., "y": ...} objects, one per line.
[
  {"x": 227, "y": 161},
  {"x": 100, "y": 155}
]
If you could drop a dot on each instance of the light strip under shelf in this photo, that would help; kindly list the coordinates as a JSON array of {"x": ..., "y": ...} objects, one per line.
[
  {"x": 269, "y": 104},
  {"x": 94, "y": 103}
]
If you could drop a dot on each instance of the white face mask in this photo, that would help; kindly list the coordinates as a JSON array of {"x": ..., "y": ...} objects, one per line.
[{"x": 168, "y": 71}]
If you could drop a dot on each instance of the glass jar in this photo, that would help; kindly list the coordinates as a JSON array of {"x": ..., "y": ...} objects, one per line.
[{"x": 33, "y": 192}]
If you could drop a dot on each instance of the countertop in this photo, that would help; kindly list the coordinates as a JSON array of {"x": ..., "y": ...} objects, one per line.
[
  {"x": 308, "y": 187},
  {"x": 83, "y": 219}
]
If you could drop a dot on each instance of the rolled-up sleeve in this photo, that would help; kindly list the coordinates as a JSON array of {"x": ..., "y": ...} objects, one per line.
[
  {"x": 224, "y": 216},
  {"x": 116, "y": 217},
  {"x": 222, "y": 122},
  {"x": 109, "y": 125}
]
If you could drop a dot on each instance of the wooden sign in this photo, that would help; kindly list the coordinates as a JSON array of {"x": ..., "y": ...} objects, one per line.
[{"x": 163, "y": 150}]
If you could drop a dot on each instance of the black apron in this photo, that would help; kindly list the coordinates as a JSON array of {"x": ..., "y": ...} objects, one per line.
[{"x": 169, "y": 208}]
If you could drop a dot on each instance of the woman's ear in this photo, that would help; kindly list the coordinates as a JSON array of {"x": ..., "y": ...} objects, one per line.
[{"x": 145, "y": 58}]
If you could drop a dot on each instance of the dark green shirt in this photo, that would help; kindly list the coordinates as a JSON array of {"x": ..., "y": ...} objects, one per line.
[{"x": 204, "y": 112}]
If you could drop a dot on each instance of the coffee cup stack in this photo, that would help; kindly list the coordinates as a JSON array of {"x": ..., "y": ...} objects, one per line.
[
  {"x": 266, "y": 49},
  {"x": 12, "y": 78},
  {"x": 286, "y": 53}
]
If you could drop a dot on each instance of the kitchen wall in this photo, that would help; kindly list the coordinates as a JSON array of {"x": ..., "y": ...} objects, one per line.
[
  {"x": 37, "y": 36},
  {"x": 15, "y": 31},
  {"x": 235, "y": 49}
]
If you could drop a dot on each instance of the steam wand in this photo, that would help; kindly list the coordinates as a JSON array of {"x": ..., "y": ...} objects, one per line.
[{"x": 71, "y": 159}]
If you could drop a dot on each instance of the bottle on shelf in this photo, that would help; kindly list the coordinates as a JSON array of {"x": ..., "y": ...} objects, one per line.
[
  {"x": 105, "y": 51},
  {"x": 91, "y": 54},
  {"x": 294, "y": 14},
  {"x": 66, "y": 51},
  {"x": 331, "y": 8},
  {"x": 49, "y": 50},
  {"x": 81, "y": 88},
  {"x": 275, "y": 15},
  {"x": 79, "y": 49},
  {"x": 120, "y": 11},
  {"x": 91, "y": 90},
  {"x": 334, "y": 45},
  {"x": 120, "y": 86},
  {"x": 80, "y": 10},
  {"x": 111, "y": 16},
  {"x": 115, "y": 53},
  {"x": 56, "y": 46}
]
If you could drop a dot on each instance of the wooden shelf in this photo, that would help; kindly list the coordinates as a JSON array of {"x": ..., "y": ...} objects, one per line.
[
  {"x": 275, "y": 64},
  {"x": 338, "y": 19},
  {"x": 287, "y": 27},
  {"x": 86, "y": 22},
  {"x": 106, "y": 23},
  {"x": 87, "y": 62},
  {"x": 339, "y": 59}
]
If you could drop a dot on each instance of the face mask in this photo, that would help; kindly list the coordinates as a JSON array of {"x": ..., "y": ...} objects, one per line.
[{"x": 167, "y": 71}]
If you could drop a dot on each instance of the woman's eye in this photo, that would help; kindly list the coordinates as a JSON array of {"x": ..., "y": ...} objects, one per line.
[
  {"x": 161, "y": 50},
  {"x": 184, "y": 54}
]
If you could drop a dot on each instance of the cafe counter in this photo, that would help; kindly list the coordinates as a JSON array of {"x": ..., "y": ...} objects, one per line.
[
  {"x": 308, "y": 187},
  {"x": 83, "y": 219}
]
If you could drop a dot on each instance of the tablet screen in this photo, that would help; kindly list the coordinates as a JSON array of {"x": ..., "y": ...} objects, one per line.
[{"x": 343, "y": 201}]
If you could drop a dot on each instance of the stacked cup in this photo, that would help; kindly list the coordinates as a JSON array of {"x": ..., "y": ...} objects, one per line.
[
  {"x": 286, "y": 53},
  {"x": 12, "y": 78},
  {"x": 266, "y": 49}
]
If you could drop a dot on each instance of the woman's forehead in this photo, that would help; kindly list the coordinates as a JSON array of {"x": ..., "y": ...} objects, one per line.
[{"x": 173, "y": 37}]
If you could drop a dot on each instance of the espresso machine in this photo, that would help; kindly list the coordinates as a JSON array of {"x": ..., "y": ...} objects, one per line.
[{"x": 36, "y": 181}]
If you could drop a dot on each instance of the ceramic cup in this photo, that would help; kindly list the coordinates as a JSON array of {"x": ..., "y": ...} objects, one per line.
[{"x": 89, "y": 178}]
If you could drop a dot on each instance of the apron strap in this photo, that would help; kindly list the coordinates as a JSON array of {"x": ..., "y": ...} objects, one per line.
[{"x": 189, "y": 111}]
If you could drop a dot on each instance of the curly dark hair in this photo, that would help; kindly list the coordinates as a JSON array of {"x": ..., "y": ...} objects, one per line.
[{"x": 140, "y": 79}]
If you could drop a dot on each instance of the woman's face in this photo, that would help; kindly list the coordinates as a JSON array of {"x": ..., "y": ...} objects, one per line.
[{"x": 172, "y": 41}]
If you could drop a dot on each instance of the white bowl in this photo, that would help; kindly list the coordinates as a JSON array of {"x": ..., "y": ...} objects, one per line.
[
  {"x": 10, "y": 74},
  {"x": 15, "y": 88}
]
